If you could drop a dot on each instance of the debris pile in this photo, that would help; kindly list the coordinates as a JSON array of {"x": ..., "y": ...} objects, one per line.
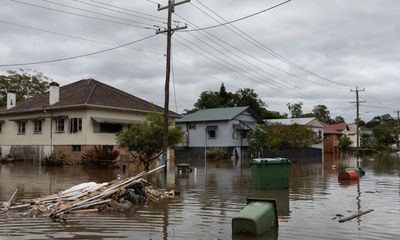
[{"x": 92, "y": 197}]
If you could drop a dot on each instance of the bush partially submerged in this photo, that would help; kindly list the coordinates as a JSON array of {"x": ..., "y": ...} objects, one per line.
[
  {"x": 54, "y": 160},
  {"x": 218, "y": 154},
  {"x": 100, "y": 155}
]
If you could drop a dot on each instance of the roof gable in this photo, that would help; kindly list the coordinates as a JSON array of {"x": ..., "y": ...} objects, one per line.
[
  {"x": 87, "y": 92},
  {"x": 213, "y": 114}
]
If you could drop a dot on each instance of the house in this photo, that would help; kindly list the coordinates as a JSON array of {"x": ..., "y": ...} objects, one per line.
[
  {"x": 313, "y": 123},
  {"x": 68, "y": 120},
  {"x": 332, "y": 133},
  {"x": 351, "y": 132},
  {"x": 217, "y": 128}
]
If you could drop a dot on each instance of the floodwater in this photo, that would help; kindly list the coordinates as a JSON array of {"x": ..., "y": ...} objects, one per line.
[{"x": 209, "y": 199}]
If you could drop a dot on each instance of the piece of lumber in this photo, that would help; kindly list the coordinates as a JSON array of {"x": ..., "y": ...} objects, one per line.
[
  {"x": 9, "y": 201},
  {"x": 355, "y": 215}
]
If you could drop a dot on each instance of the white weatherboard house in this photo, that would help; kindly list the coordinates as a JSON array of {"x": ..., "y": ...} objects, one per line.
[
  {"x": 313, "y": 123},
  {"x": 217, "y": 128},
  {"x": 69, "y": 119}
]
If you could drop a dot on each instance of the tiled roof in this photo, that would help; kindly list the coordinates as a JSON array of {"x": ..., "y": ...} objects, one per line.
[
  {"x": 86, "y": 92},
  {"x": 334, "y": 128},
  {"x": 213, "y": 114}
]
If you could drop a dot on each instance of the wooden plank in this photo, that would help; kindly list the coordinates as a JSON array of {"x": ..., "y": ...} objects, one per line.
[{"x": 355, "y": 215}]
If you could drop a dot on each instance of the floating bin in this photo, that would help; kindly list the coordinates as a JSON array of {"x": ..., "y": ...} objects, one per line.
[
  {"x": 258, "y": 217},
  {"x": 348, "y": 175},
  {"x": 270, "y": 173}
]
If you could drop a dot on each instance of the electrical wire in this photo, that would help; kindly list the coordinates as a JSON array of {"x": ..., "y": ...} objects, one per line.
[
  {"x": 75, "y": 57},
  {"x": 93, "y": 12},
  {"x": 262, "y": 46},
  {"x": 113, "y": 10},
  {"x": 239, "y": 19},
  {"x": 150, "y": 1},
  {"x": 82, "y": 15}
]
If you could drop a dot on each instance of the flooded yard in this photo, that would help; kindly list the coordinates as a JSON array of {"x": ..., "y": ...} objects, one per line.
[{"x": 210, "y": 198}]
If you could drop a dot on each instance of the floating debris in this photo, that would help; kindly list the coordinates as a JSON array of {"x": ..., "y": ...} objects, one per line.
[{"x": 92, "y": 197}]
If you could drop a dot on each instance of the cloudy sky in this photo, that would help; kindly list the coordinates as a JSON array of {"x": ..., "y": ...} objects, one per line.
[{"x": 313, "y": 51}]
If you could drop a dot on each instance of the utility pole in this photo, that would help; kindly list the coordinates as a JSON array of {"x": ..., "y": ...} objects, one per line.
[
  {"x": 398, "y": 126},
  {"x": 358, "y": 117},
  {"x": 169, "y": 31}
]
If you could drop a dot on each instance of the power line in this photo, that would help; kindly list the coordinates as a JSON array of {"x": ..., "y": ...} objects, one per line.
[
  {"x": 82, "y": 15},
  {"x": 263, "y": 47},
  {"x": 150, "y": 1},
  {"x": 125, "y": 9},
  {"x": 249, "y": 55},
  {"x": 113, "y": 10},
  {"x": 93, "y": 12},
  {"x": 75, "y": 57},
  {"x": 235, "y": 69},
  {"x": 239, "y": 19}
]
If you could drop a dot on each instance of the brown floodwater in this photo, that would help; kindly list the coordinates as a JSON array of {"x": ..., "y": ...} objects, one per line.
[{"x": 209, "y": 199}]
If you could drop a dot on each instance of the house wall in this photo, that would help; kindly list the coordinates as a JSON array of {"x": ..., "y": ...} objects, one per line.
[
  {"x": 36, "y": 146},
  {"x": 224, "y": 133}
]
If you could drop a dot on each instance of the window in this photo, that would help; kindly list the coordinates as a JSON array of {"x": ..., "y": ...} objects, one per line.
[
  {"x": 75, "y": 125},
  {"x": 211, "y": 134},
  {"x": 244, "y": 133},
  {"x": 76, "y": 148},
  {"x": 191, "y": 126},
  {"x": 21, "y": 128},
  {"x": 110, "y": 127},
  {"x": 60, "y": 124},
  {"x": 236, "y": 134},
  {"x": 37, "y": 126}
]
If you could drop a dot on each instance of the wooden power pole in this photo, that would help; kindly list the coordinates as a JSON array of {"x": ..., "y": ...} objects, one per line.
[
  {"x": 169, "y": 31},
  {"x": 397, "y": 132},
  {"x": 357, "y": 117}
]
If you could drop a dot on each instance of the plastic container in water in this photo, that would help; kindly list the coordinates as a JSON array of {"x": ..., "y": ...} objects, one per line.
[
  {"x": 258, "y": 217},
  {"x": 349, "y": 175},
  {"x": 270, "y": 173}
]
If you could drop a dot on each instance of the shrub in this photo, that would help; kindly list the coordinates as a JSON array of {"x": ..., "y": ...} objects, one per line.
[
  {"x": 53, "y": 160},
  {"x": 217, "y": 154},
  {"x": 100, "y": 154}
]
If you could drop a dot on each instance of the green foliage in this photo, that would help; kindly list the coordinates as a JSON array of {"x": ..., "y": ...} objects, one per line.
[
  {"x": 384, "y": 136},
  {"x": 99, "y": 154},
  {"x": 321, "y": 113},
  {"x": 217, "y": 154},
  {"x": 345, "y": 143},
  {"x": 25, "y": 82},
  {"x": 55, "y": 160},
  {"x": 296, "y": 109},
  {"x": 242, "y": 97},
  {"x": 279, "y": 137},
  {"x": 339, "y": 119},
  {"x": 146, "y": 138}
]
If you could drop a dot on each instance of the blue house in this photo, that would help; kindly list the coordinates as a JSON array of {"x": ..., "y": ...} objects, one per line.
[{"x": 217, "y": 128}]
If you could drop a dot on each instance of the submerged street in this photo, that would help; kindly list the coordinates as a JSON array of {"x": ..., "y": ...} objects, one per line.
[{"x": 310, "y": 209}]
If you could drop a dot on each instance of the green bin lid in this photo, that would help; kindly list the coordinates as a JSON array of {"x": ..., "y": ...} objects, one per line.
[{"x": 270, "y": 161}]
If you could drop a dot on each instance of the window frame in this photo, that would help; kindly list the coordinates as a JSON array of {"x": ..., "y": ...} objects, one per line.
[
  {"x": 75, "y": 125},
  {"x": 38, "y": 126},
  {"x": 22, "y": 126},
  {"x": 58, "y": 125},
  {"x": 209, "y": 131},
  {"x": 76, "y": 148}
]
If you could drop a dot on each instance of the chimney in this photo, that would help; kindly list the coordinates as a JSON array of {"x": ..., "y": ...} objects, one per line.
[
  {"x": 11, "y": 99},
  {"x": 54, "y": 94}
]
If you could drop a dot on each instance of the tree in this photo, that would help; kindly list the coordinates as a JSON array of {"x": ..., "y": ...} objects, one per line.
[
  {"x": 225, "y": 98},
  {"x": 339, "y": 119},
  {"x": 384, "y": 136},
  {"x": 146, "y": 139},
  {"x": 208, "y": 99},
  {"x": 345, "y": 143},
  {"x": 247, "y": 97},
  {"x": 321, "y": 113},
  {"x": 25, "y": 82},
  {"x": 296, "y": 109},
  {"x": 280, "y": 137}
]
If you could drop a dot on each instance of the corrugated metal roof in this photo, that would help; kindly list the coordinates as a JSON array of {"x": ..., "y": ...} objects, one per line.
[
  {"x": 212, "y": 114},
  {"x": 290, "y": 121}
]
